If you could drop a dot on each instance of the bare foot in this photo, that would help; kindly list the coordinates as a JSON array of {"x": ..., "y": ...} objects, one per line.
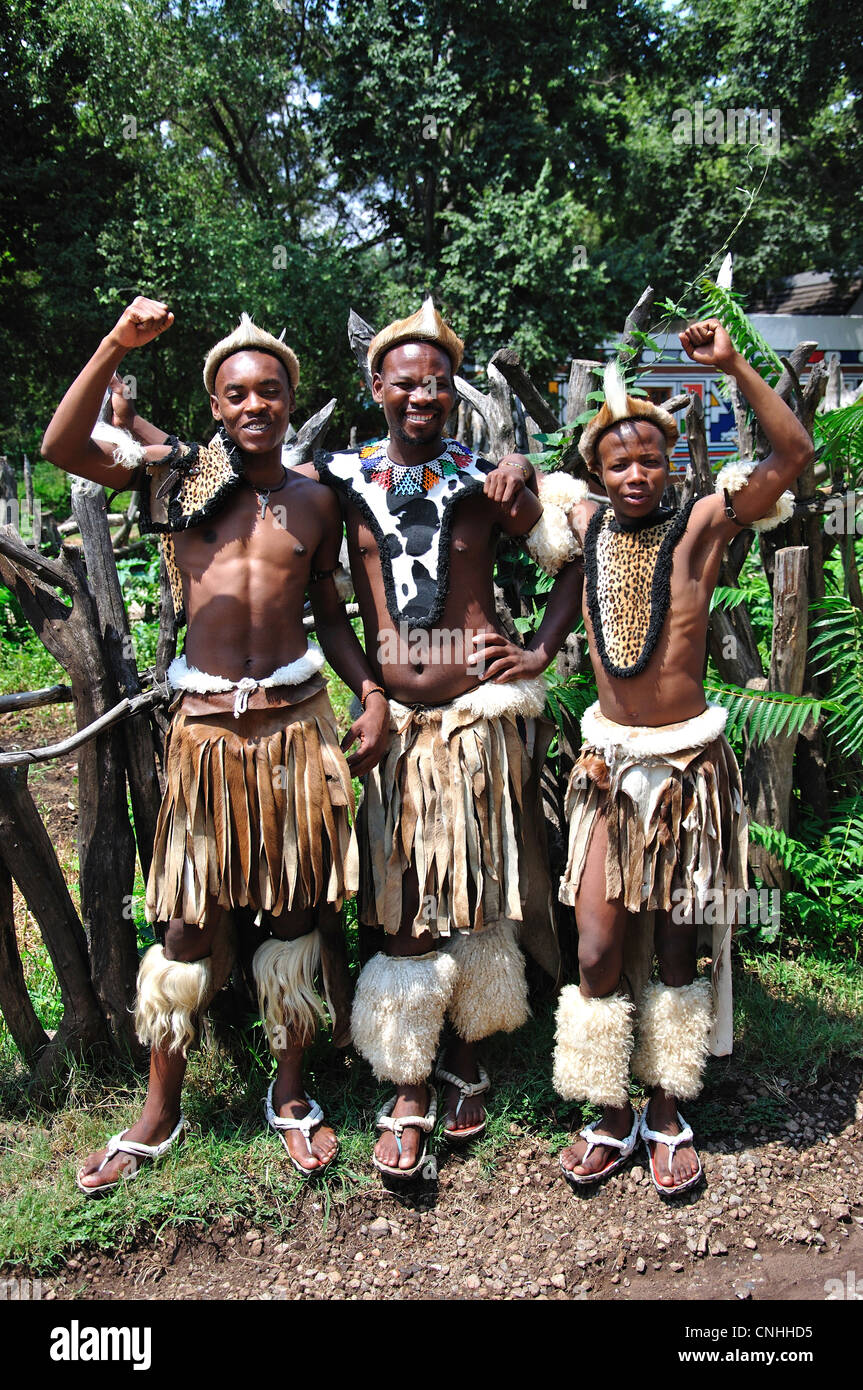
[
  {"x": 144, "y": 1131},
  {"x": 616, "y": 1122},
  {"x": 323, "y": 1140},
  {"x": 662, "y": 1116},
  {"x": 460, "y": 1060},
  {"x": 410, "y": 1100}
]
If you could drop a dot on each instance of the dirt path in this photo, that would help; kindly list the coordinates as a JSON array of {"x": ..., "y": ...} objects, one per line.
[{"x": 776, "y": 1219}]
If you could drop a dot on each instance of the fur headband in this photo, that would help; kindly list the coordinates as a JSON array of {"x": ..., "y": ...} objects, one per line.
[
  {"x": 619, "y": 406},
  {"x": 247, "y": 337}
]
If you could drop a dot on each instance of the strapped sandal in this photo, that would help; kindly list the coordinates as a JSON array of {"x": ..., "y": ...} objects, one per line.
[
  {"x": 309, "y": 1122},
  {"x": 425, "y": 1123},
  {"x": 119, "y": 1144},
  {"x": 596, "y": 1141},
  {"x": 466, "y": 1089},
  {"x": 655, "y": 1136}
]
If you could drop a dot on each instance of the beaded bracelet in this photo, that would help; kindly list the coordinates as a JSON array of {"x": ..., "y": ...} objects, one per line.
[{"x": 378, "y": 688}]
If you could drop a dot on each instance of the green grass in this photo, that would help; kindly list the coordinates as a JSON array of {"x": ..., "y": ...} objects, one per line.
[
  {"x": 25, "y": 664},
  {"x": 792, "y": 1019}
]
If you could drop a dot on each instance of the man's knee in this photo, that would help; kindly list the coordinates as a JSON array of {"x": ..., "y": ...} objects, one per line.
[
  {"x": 292, "y": 924},
  {"x": 185, "y": 941},
  {"x": 599, "y": 964}
]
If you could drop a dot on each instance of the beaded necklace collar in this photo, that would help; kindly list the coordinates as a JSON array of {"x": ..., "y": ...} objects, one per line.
[{"x": 412, "y": 479}]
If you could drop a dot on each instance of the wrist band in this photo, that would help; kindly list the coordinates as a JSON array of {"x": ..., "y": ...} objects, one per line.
[{"x": 380, "y": 690}]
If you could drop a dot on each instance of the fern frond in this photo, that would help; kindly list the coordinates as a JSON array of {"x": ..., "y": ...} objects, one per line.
[
  {"x": 839, "y": 437},
  {"x": 725, "y": 305},
  {"x": 836, "y": 651},
  {"x": 723, "y": 597},
  {"x": 801, "y": 861},
  {"x": 765, "y": 714}
]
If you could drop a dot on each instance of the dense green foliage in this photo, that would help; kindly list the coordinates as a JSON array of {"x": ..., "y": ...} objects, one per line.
[{"x": 295, "y": 158}]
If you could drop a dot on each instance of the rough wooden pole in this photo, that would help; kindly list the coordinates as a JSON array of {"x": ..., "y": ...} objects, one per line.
[
  {"x": 88, "y": 504},
  {"x": 106, "y": 851},
  {"x": 769, "y": 766},
  {"x": 29, "y": 857},
  {"x": 16, "y": 1005}
]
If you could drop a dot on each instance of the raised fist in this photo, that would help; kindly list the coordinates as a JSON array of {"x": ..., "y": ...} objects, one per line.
[
  {"x": 143, "y": 321},
  {"x": 708, "y": 344}
]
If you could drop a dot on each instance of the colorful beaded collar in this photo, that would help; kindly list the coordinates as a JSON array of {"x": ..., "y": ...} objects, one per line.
[{"x": 408, "y": 480}]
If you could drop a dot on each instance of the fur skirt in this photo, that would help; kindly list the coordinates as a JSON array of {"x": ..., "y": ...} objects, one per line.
[
  {"x": 256, "y": 813},
  {"x": 449, "y": 798},
  {"x": 672, "y": 799}
]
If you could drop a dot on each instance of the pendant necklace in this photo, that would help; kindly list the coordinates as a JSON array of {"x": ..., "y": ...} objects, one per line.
[{"x": 264, "y": 493}]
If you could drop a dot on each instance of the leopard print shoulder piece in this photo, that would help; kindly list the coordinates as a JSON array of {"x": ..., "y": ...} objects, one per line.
[
  {"x": 192, "y": 482},
  {"x": 628, "y": 577}
]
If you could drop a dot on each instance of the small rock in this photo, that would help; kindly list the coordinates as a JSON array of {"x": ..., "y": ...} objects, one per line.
[
  {"x": 559, "y": 1280},
  {"x": 676, "y": 1268},
  {"x": 379, "y": 1227},
  {"x": 472, "y": 1281},
  {"x": 640, "y": 1265},
  {"x": 750, "y": 1243},
  {"x": 252, "y": 1236},
  {"x": 256, "y": 1247},
  {"x": 718, "y": 1248},
  {"x": 840, "y": 1211}
]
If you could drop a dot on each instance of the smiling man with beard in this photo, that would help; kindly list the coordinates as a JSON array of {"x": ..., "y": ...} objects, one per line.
[
  {"x": 254, "y": 822},
  {"x": 453, "y": 864}
]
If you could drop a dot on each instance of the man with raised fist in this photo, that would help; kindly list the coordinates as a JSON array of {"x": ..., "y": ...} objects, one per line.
[{"x": 254, "y": 822}]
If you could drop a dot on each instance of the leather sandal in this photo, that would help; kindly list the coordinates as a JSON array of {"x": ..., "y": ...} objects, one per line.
[
  {"x": 425, "y": 1123},
  {"x": 466, "y": 1089},
  {"x": 655, "y": 1136},
  {"x": 309, "y": 1122},
  {"x": 597, "y": 1141},
  {"x": 119, "y": 1144}
]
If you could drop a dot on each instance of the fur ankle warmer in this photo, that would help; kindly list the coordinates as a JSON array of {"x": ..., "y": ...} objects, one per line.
[
  {"x": 284, "y": 974},
  {"x": 398, "y": 1013},
  {"x": 490, "y": 993},
  {"x": 593, "y": 1044},
  {"x": 673, "y": 1030}
]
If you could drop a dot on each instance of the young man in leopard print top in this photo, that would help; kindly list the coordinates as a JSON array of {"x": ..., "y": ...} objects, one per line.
[{"x": 654, "y": 802}]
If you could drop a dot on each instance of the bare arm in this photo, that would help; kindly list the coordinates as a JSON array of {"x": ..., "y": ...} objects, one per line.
[
  {"x": 520, "y": 515},
  {"x": 67, "y": 441},
  {"x": 501, "y": 660},
  {"x": 125, "y": 416},
  {"x": 791, "y": 448},
  {"x": 513, "y": 474},
  {"x": 344, "y": 653}
]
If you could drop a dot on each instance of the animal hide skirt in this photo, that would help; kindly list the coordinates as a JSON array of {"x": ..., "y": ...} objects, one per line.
[
  {"x": 672, "y": 799},
  {"x": 255, "y": 814},
  {"x": 455, "y": 797}
]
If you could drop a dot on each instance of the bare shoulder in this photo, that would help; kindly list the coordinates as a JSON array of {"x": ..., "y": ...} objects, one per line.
[
  {"x": 708, "y": 521},
  {"x": 306, "y": 490},
  {"x": 306, "y": 470},
  {"x": 581, "y": 515}
]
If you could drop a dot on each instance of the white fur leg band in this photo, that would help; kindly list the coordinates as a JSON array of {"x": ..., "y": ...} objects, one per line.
[
  {"x": 593, "y": 1044},
  {"x": 172, "y": 994},
  {"x": 552, "y": 543},
  {"x": 398, "y": 1013},
  {"x": 673, "y": 1031},
  {"x": 285, "y": 980},
  {"x": 490, "y": 993}
]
